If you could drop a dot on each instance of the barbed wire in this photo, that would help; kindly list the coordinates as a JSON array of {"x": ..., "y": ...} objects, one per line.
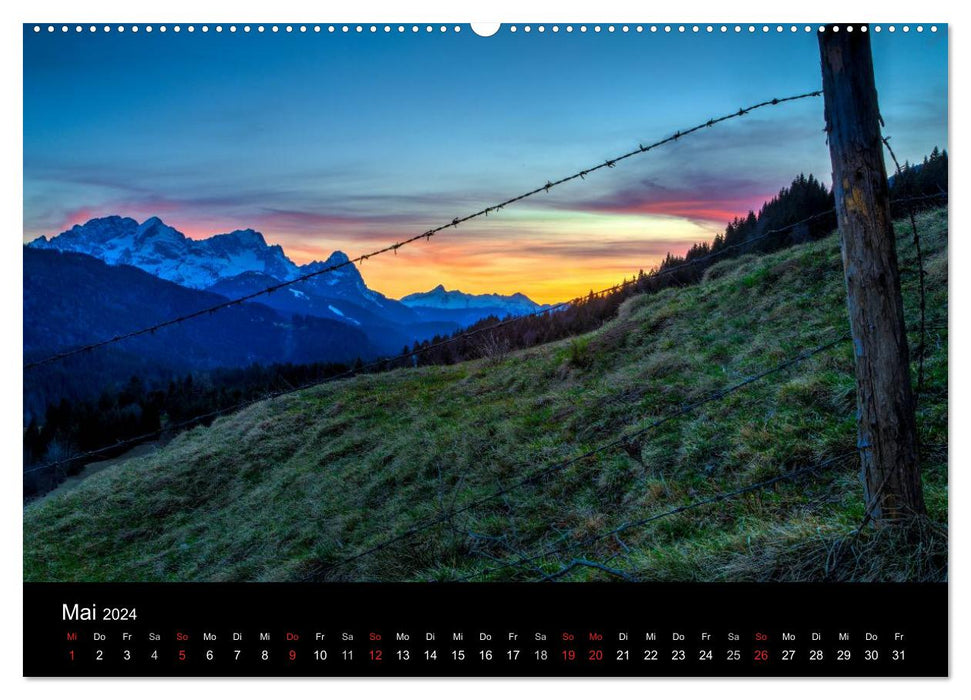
[
  {"x": 426, "y": 235},
  {"x": 560, "y": 466},
  {"x": 641, "y": 522},
  {"x": 385, "y": 362}
]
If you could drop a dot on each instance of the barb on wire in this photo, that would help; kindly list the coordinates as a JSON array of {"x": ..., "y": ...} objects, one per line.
[
  {"x": 558, "y": 549},
  {"x": 560, "y": 466},
  {"x": 393, "y": 247}
]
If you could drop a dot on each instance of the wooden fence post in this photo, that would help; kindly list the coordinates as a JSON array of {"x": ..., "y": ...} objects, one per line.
[{"x": 885, "y": 403}]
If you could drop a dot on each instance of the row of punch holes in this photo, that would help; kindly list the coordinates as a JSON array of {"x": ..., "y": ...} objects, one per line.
[{"x": 414, "y": 28}]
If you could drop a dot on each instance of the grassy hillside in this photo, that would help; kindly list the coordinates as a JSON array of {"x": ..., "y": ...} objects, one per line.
[{"x": 288, "y": 487}]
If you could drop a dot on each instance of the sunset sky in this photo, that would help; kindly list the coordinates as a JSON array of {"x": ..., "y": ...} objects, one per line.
[{"x": 353, "y": 141}]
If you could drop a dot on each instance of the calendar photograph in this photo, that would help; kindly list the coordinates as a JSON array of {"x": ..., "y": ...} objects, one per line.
[{"x": 600, "y": 304}]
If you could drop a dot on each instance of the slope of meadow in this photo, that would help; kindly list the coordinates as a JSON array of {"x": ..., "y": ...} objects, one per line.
[{"x": 285, "y": 489}]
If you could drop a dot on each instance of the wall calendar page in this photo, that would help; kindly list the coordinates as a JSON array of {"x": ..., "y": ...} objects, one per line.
[{"x": 450, "y": 350}]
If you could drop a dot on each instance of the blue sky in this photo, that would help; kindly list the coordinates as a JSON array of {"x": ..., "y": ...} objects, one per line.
[{"x": 348, "y": 141}]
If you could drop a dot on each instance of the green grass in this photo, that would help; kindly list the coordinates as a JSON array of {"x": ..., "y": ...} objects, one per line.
[{"x": 288, "y": 487}]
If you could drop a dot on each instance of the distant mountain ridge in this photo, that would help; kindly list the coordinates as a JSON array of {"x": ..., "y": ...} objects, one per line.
[
  {"x": 241, "y": 263},
  {"x": 440, "y": 304},
  {"x": 441, "y": 298}
]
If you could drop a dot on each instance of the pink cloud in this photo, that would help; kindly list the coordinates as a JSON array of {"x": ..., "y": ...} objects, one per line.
[{"x": 682, "y": 205}]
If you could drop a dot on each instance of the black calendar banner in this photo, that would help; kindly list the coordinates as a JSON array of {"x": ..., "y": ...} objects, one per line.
[{"x": 485, "y": 630}]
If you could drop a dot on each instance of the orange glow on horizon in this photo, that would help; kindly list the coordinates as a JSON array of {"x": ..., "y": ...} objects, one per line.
[{"x": 548, "y": 256}]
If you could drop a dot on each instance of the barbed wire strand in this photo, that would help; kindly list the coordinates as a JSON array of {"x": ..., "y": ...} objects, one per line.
[
  {"x": 426, "y": 235},
  {"x": 384, "y": 362}
]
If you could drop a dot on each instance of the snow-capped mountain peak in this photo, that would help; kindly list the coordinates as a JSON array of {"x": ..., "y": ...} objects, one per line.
[
  {"x": 165, "y": 252},
  {"x": 241, "y": 263},
  {"x": 234, "y": 263}
]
